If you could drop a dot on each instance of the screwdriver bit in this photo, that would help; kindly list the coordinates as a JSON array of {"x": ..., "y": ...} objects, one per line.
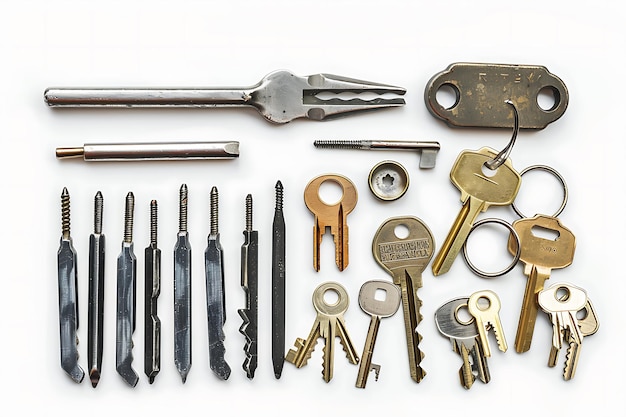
[
  {"x": 126, "y": 298},
  {"x": 182, "y": 291},
  {"x": 68, "y": 299},
  {"x": 215, "y": 295},
  {"x": 96, "y": 294},
  {"x": 152, "y": 323},
  {"x": 249, "y": 283},
  {"x": 278, "y": 284}
]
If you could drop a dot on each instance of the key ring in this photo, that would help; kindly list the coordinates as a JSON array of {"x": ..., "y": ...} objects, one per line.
[
  {"x": 503, "y": 155},
  {"x": 558, "y": 177},
  {"x": 478, "y": 271}
]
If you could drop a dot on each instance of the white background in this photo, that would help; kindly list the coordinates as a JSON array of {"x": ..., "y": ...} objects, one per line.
[{"x": 210, "y": 43}]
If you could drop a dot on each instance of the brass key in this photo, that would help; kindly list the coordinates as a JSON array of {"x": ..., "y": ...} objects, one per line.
[
  {"x": 484, "y": 306},
  {"x": 540, "y": 256},
  {"x": 478, "y": 193},
  {"x": 328, "y": 324},
  {"x": 405, "y": 259},
  {"x": 333, "y": 216}
]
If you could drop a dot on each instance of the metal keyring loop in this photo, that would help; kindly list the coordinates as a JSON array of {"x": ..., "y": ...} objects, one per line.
[
  {"x": 558, "y": 177},
  {"x": 473, "y": 267}
]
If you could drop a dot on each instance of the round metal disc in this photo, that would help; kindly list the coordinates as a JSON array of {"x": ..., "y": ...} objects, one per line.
[{"x": 388, "y": 180}]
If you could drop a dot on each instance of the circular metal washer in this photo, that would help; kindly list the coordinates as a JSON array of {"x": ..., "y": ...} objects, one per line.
[
  {"x": 558, "y": 177},
  {"x": 388, "y": 180},
  {"x": 478, "y": 271}
]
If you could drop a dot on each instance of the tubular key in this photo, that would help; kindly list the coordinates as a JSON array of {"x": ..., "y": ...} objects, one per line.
[{"x": 333, "y": 216}]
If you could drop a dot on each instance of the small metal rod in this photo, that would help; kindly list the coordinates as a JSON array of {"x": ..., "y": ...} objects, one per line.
[
  {"x": 428, "y": 150},
  {"x": 152, "y": 151},
  {"x": 96, "y": 294},
  {"x": 152, "y": 323},
  {"x": 504, "y": 153},
  {"x": 215, "y": 295},
  {"x": 126, "y": 298},
  {"x": 68, "y": 298},
  {"x": 249, "y": 283},
  {"x": 182, "y": 291},
  {"x": 278, "y": 284}
]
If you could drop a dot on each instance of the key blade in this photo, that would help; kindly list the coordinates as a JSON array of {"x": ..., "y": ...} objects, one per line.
[
  {"x": 182, "y": 305},
  {"x": 126, "y": 292},
  {"x": 537, "y": 276}
]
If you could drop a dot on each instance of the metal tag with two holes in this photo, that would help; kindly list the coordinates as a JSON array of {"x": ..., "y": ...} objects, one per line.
[{"x": 482, "y": 89}]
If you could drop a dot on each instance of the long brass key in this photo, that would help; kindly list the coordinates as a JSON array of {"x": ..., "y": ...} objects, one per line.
[
  {"x": 328, "y": 324},
  {"x": 377, "y": 309},
  {"x": 333, "y": 216},
  {"x": 540, "y": 256},
  {"x": 478, "y": 193},
  {"x": 405, "y": 258}
]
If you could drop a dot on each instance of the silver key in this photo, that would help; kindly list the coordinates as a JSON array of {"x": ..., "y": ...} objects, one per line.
[
  {"x": 562, "y": 302},
  {"x": 484, "y": 306},
  {"x": 465, "y": 341},
  {"x": 377, "y": 309}
]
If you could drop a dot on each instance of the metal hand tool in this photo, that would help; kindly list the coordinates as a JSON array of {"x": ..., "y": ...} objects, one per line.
[
  {"x": 280, "y": 97},
  {"x": 405, "y": 258},
  {"x": 68, "y": 298},
  {"x": 96, "y": 294},
  {"x": 278, "y": 284},
  {"x": 126, "y": 298},
  {"x": 333, "y": 216},
  {"x": 152, "y": 323},
  {"x": 215, "y": 295},
  {"x": 428, "y": 150},
  {"x": 182, "y": 291},
  {"x": 152, "y": 151},
  {"x": 328, "y": 324},
  {"x": 250, "y": 284}
]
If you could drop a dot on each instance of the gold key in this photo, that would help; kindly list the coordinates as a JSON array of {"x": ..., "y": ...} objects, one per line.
[
  {"x": 333, "y": 216},
  {"x": 540, "y": 256},
  {"x": 484, "y": 306},
  {"x": 478, "y": 193},
  {"x": 328, "y": 325},
  {"x": 405, "y": 258}
]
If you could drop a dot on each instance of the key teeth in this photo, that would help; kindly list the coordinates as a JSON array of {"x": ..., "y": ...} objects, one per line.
[
  {"x": 376, "y": 368},
  {"x": 568, "y": 369},
  {"x": 292, "y": 354}
]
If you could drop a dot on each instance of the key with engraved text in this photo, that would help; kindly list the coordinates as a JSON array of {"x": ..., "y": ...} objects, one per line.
[{"x": 405, "y": 258}]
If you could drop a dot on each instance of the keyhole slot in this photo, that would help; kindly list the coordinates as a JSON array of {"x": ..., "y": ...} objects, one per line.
[
  {"x": 380, "y": 295},
  {"x": 562, "y": 294},
  {"x": 448, "y": 96},
  {"x": 483, "y": 303},
  {"x": 330, "y": 192},
  {"x": 462, "y": 315},
  {"x": 331, "y": 297},
  {"x": 544, "y": 233},
  {"x": 401, "y": 231},
  {"x": 548, "y": 98},
  {"x": 388, "y": 180}
]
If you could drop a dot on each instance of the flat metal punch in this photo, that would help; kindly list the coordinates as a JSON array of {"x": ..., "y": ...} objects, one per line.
[{"x": 280, "y": 97}]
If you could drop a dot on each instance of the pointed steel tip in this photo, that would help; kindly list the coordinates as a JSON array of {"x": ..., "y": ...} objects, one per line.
[
  {"x": 183, "y": 187},
  {"x": 151, "y": 379},
  {"x": 214, "y": 190},
  {"x": 277, "y": 375},
  {"x": 65, "y": 192},
  {"x": 130, "y": 195},
  {"x": 98, "y": 194},
  {"x": 94, "y": 376},
  {"x": 279, "y": 185}
]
